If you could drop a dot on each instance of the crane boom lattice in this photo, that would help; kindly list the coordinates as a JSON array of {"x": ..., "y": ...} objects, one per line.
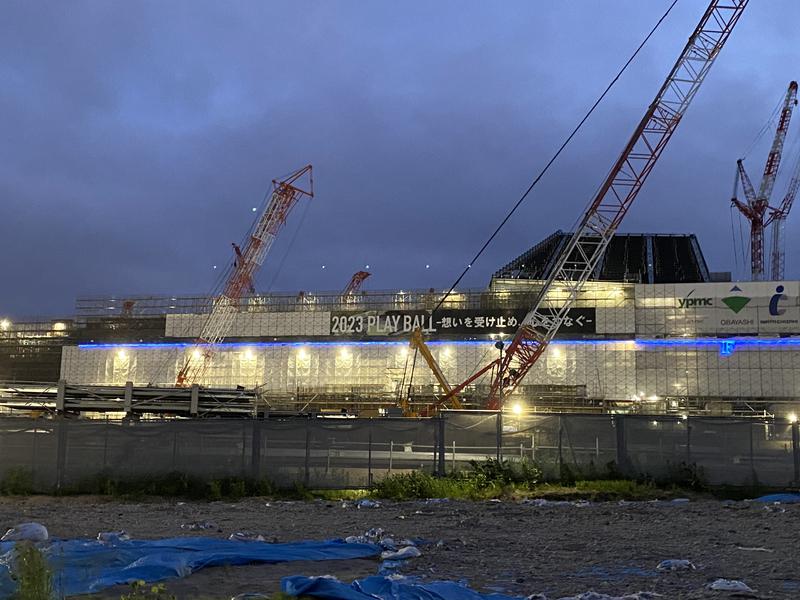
[
  {"x": 778, "y": 219},
  {"x": 583, "y": 252},
  {"x": 757, "y": 206},
  {"x": 354, "y": 285},
  {"x": 225, "y": 305}
]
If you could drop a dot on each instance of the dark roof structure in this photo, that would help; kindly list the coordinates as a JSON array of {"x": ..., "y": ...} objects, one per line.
[{"x": 629, "y": 257}]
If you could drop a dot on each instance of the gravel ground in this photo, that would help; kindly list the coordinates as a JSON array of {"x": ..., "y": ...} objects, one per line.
[{"x": 516, "y": 548}]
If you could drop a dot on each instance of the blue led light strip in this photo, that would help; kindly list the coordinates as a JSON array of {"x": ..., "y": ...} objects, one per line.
[
  {"x": 725, "y": 345},
  {"x": 234, "y": 345}
]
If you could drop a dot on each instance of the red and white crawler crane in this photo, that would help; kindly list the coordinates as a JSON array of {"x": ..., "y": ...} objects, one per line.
[
  {"x": 354, "y": 285},
  {"x": 239, "y": 280},
  {"x": 755, "y": 210},
  {"x": 581, "y": 255}
]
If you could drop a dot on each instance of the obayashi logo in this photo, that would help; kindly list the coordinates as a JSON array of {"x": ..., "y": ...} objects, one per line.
[
  {"x": 689, "y": 302},
  {"x": 773, "y": 302},
  {"x": 736, "y": 303}
]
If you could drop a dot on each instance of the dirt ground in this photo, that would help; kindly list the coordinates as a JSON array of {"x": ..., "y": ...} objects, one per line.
[{"x": 515, "y": 548}]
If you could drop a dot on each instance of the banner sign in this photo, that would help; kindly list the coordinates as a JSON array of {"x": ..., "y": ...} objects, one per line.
[
  {"x": 451, "y": 321},
  {"x": 731, "y": 308}
]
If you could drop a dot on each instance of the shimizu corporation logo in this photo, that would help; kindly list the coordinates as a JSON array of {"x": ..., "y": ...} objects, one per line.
[{"x": 736, "y": 303}]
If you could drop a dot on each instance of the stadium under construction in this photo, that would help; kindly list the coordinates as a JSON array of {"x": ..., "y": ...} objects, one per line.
[
  {"x": 590, "y": 320},
  {"x": 653, "y": 331}
]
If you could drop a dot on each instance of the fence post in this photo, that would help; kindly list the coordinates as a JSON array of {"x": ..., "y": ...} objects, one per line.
[
  {"x": 796, "y": 451},
  {"x": 499, "y": 440},
  {"x": 391, "y": 455},
  {"x": 128, "y": 401},
  {"x": 255, "y": 450},
  {"x": 61, "y": 394},
  {"x": 105, "y": 444},
  {"x": 440, "y": 426},
  {"x": 560, "y": 457},
  {"x": 369, "y": 455},
  {"x": 753, "y": 473},
  {"x": 623, "y": 464},
  {"x": 175, "y": 450},
  {"x": 688, "y": 440},
  {"x": 307, "y": 477},
  {"x": 194, "y": 400},
  {"x": 61, "y": 456}
]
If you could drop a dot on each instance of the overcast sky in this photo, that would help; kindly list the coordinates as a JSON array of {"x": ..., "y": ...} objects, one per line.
[{"x": 137, "y": 136}]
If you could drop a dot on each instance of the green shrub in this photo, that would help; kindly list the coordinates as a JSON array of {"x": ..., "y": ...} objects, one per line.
[
  {"x": 17, "y": 482},
  {"x": 32, "y": 573},
  {"x": 684, "y": 475},
  {"x": 141, "y": 591},
  {"x": 173, "y": 485},
  {"x": 487, "y": 479},
  {"x": 500, "y": 473}
]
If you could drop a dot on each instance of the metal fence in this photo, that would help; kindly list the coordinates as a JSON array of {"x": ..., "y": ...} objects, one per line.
[{"x": 339, "y": 453}]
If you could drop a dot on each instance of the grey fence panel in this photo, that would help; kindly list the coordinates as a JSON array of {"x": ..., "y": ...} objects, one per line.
[
  {"x": 337, "y": 453},
  {"x": 588, "y": 444},
  {"x": 285, "y": 451},
  {"x": 30, "y": 445},
  {"x": 469, "y": 436},
  {"x": 653, "y": 446},
  {"x": 723, "y": 449},
  {"x": 535, "y": 437},
  {"x": 210, "y": 448},
  {"x": 401, "y": 445},
  {"x": 773, "y": 453},
  {"x": 132, "y": 450}
]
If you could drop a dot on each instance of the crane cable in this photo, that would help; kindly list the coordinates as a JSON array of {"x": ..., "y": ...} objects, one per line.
[
  {"x": 733, "y": 238},
  {"x": 765, "y": 128},
  {"x": 289, "y": 247},
  {"x": 558, "y": 152},
  {"x": 547, "y": 166}
]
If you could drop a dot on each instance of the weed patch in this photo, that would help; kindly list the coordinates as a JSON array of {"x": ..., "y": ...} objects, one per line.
[
  {"x": 32, "y": 573},
  {"x": 17, "y": 482}
]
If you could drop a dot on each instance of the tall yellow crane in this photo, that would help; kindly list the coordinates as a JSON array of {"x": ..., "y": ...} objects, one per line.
[{"x": 417, "y": 342}]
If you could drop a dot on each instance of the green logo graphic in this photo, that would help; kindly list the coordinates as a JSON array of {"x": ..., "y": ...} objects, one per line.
[{"x": 736, "y": 303}]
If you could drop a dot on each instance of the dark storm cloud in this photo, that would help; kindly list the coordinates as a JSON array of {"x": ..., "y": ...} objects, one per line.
[{"x": 136, "y": 137}]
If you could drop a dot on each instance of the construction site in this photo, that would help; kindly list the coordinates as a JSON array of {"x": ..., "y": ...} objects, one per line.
[
  {"x": 589, "y": 321},
  {"x": 611, "y": 413}
]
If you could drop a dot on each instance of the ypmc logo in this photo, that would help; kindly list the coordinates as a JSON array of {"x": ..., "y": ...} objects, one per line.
[{"x": 690, "y": 302}]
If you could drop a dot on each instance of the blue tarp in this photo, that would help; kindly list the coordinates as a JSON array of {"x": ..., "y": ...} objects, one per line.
[
  {"x": 383, "y": 588},
  {"x": 87, "y": 566},
  {"x": 782, "y": 498}
]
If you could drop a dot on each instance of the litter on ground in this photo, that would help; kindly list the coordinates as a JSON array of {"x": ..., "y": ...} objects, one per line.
[
  {"x": 199, "y": 525},
  {"x": 675, "y": 565},
  {"x": 402, "y": 554},
  {"x": 754, "y": 549},
  {"x": 30, "y": 532},
  {"x": 247, "y": 536},
  {"x": 113, "y": 536},
  {"x": 730, "y": 585}
]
